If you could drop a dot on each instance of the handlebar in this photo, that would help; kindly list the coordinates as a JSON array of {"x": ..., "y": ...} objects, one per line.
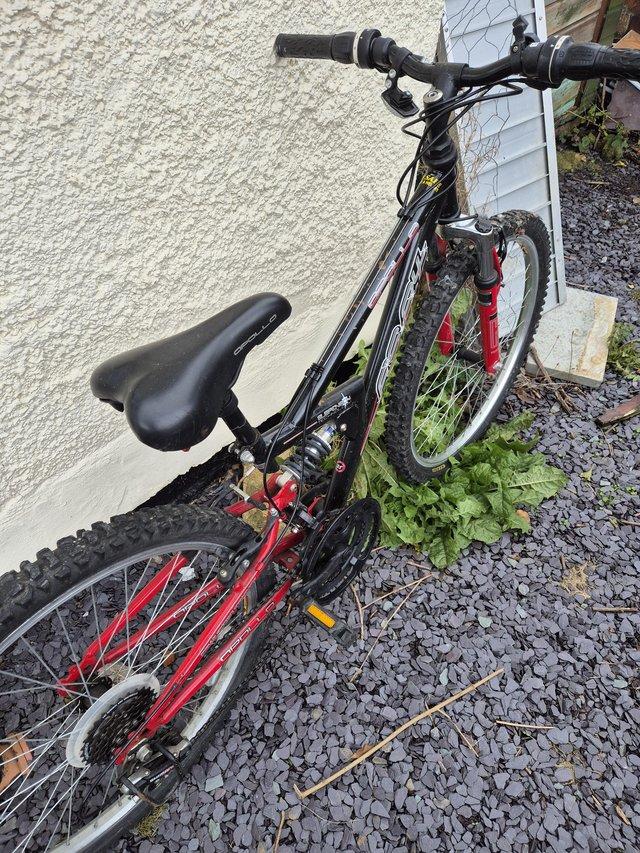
[{"x": 543, "y": 64}]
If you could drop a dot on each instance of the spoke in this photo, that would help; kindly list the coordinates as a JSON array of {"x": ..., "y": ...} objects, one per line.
[
  {"x": 54, "y": 831},
  {"x": 46, "y": 719},
  {"x": 73, "y": 655},
  {"x": 169, "y": 649},
  {"x": 479, "y": 379},
  {"x": 30, "y": 788},
  {"x": 95, "y": 615},
  {"x": 108, "y": 788},
  {"x": 187, "y": 613},
  {"x": 32, "y": 767},
  {"x": 44, "y": 745},
  {"x": 127, "y": 604},
  {"x": 34, "y": 689},
  {"x": 43, "y": 816},
  {"x": 142, "y": 639},
  {"x": 126, "y": 609},
  {"x": 173, "y": 649},
  {"x": 161, "y": 601},
  {"x": 53, "y": 687},
  {"x": 434, "y": 406},
  {"x": 49, "y": 809},
  {"x": 448, "y": 406},
  {"x": 39, "y": 658},
  {"x": 471, "y": 383}
]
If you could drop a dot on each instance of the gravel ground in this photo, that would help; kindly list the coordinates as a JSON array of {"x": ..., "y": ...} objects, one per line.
[{"x": 464, "y": 782}]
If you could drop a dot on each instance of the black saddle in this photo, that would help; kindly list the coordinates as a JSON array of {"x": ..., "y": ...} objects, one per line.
[{"x": 172, "y": 390}]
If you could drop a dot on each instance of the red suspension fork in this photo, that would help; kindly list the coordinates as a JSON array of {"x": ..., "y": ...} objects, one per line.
[{"x": 488, "y": 313}]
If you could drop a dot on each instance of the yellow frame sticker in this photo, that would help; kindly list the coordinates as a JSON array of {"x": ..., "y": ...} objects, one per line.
[{"x": 431, "y": 181}]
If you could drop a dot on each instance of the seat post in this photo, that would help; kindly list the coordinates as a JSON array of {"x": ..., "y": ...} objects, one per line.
[{"x": 247, "y": 436}]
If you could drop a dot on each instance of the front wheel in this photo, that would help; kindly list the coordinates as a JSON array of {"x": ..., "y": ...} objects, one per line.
[{"x": 441, "y": 397}]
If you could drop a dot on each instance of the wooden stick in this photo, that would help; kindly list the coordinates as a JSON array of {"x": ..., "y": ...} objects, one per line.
[
  {"x": 394, "y": 734},
  {"x": 522, "y": 725},
  {"x": 356, "y": 598},
  {"x": 397, "y": 589},
  {"x": 276, "y": 843},
  {"x": 616, "y": 609},
  {"x": 625, "y": 410}
]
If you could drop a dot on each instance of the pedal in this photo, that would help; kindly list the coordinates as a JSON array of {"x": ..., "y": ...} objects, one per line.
[{"x": 326, "y": 620}]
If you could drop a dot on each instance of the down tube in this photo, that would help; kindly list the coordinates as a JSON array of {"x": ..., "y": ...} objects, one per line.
[{"x": 385, "y": 345}]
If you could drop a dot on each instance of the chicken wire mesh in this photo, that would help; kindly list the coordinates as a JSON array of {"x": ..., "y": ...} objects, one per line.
[{"x": 478, "y": 33}]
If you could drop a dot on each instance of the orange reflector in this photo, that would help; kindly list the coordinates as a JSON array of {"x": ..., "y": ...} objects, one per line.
[{"x": 321, "y": 616}]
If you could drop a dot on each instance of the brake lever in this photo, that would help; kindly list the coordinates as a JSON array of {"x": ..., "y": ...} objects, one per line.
[{"x": 399, "y": 101}]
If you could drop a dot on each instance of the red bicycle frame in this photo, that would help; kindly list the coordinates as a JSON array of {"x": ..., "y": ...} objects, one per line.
[{"x": 196, "y": 668}]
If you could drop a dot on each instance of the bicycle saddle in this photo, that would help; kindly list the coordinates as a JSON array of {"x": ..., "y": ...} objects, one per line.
[{"x": 172, "y": 390}]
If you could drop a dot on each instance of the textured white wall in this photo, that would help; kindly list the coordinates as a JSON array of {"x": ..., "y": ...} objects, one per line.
[{"x": 157, "y": 165}]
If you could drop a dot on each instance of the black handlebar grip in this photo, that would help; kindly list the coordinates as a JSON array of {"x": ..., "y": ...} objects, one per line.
[
  {"x": 338, "y": 47},
  {"x": 620, "y": 64},
  {"x": 590, "y": 60}
]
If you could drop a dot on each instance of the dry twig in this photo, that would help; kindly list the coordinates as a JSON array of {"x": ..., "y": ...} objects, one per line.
[
  {"x": 276, "y": 842},
  {"x": 428, "y": 712},
  {"x": 616, "y": 609},
  {"x": 559, "y": 393},
  {"x": 356, "y": 598},
  {"x": 464, "y": 737},
  {"x": 522, "y": 725},
  {"x": 385, "y": 625},
  {"x": 620, "y": 812},
  {"x": 417, "y": 565},
  {"x": 397, "y": 589}
]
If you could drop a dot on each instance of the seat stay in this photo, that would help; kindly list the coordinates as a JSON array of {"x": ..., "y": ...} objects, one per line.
[{"x": 95, "y": 651}]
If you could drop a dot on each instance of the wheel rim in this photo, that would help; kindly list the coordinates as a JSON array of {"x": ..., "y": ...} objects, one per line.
[
  {"x": 455, "y": 398},
  {"x": 41, "y": 650}
]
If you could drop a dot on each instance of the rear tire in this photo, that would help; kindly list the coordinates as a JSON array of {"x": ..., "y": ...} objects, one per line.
[
  {"x": 421, "y": 363},
  {"x": 58, "y": 578}
]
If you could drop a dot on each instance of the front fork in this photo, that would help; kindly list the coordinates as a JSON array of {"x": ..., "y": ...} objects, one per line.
[
  {"x": 488, "y": 313},
  {"x": 488, "y": 281}
]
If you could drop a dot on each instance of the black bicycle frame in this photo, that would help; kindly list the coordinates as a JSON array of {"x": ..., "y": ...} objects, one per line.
[{"x": 353, "y": 404}]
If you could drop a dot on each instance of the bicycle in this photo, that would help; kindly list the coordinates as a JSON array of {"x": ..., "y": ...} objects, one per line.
[{"x": 122, "y": 650}]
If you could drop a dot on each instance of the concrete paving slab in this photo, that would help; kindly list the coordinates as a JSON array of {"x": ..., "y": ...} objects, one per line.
[{"x": 572, "y": 339}]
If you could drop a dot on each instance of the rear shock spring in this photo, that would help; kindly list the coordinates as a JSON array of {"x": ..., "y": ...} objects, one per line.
[{"x": 308, "y": 458}]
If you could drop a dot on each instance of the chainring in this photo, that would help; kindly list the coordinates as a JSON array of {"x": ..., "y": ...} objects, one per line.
[{"x": 338, "y": 548}]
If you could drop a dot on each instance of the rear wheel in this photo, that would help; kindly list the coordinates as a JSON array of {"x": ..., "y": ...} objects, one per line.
[
  {"x": 59, "y": 787},
  {"x": 440, "y": 402}
]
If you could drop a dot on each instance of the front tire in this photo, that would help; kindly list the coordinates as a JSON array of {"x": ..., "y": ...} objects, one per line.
[{"x": 439, "y": 403}]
